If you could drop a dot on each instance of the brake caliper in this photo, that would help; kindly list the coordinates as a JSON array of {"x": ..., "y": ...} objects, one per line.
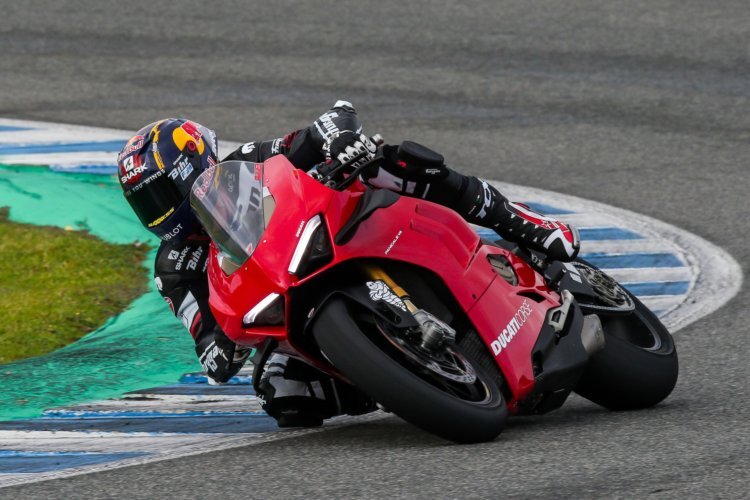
[{"x": 435, "y": 333}]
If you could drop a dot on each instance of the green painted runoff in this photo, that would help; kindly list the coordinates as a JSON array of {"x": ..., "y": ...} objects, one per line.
[{"x": 142, "y": 346}]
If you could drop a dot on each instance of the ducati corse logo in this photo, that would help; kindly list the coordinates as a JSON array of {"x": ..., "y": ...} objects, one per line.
[{"x": 513, "y": 327}]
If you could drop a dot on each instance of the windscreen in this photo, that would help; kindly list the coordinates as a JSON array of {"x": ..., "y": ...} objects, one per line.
[{"x": 228, "y": 200}]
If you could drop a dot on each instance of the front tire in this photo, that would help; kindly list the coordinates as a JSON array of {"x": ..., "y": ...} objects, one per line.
[{"x": 387, "y": 378}]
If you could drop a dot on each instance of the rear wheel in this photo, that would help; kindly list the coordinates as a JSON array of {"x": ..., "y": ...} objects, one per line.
[
  {"x": 446, "y": 393},
  {"x": 638, "y": 366}
]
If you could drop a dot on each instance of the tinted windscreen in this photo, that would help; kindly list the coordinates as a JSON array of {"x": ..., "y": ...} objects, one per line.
[{"x": 228, "y": 200}]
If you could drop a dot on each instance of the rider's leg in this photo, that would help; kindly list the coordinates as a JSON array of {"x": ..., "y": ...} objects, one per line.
[
  {"x": 298, "y": 395},
  {"x": 414, "y": 170}
]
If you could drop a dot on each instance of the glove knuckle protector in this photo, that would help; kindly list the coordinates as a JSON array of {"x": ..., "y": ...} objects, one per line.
[
  {"x": 346, "y": 145},
  {"x": 219, "y": 356}
]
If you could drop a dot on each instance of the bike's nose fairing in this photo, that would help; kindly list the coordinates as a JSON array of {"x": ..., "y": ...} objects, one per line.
[{"x": 258, "y": 215}]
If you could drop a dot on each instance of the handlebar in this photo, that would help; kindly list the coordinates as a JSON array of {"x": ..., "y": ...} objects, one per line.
[{"x": 332, "y": 174}]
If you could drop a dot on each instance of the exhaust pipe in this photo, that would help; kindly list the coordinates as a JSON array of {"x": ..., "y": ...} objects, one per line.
[{"x": 592, "y": 334}]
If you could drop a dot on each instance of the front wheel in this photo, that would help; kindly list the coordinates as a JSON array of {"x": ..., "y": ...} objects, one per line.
[
  {"x": 449, "y": 396},
  {"x": 638, "y": 366}
]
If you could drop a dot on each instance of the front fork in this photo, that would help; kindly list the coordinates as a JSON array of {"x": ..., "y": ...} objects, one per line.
[
  {"x": 375, "y": 273},
  {"x": 435, "y": 333}
]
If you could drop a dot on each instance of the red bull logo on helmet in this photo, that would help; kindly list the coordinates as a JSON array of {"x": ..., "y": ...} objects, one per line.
[
  {"x": 189, "y": 136},
  {"x": 134, "y": 144}
]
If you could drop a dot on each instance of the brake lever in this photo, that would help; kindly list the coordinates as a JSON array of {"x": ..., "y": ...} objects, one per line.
[{"x": 355, "y": 173}]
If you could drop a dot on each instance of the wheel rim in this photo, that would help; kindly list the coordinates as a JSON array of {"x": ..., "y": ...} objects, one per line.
[
  {"x": 448, "y": 370},
  {"x": 610, "y": 295}
]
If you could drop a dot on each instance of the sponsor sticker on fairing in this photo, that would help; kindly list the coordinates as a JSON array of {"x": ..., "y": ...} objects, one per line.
[{"x": 512, "y": 328}]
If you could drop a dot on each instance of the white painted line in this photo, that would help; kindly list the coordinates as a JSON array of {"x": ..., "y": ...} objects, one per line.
[
  {"x": 629, "y": 246},
  {"x": 651, "y": 274},
  {"x": 162, "y": 447},
  {"x": 663, "y": 302},
  {"x": 175, "y": 403}
]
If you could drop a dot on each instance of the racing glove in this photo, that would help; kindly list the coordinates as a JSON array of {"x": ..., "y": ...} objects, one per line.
[
  {"x": 345, "y": 145},
  {"x": 220, "y": 357}
]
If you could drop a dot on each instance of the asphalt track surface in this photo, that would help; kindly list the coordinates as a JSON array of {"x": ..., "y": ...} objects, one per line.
[{"x": 641, "y": 105}]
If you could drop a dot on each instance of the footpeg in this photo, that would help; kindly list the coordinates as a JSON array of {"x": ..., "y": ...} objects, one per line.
[{"x": 558, "y": 315}]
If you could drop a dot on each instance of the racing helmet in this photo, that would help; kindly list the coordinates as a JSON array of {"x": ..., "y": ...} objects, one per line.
[{"x": 156, "y": 169}]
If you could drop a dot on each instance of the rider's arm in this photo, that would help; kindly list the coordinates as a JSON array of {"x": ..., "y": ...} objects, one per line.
[
  {"x": 180, "y": 275},
  {"x": 303, "y": 147}
]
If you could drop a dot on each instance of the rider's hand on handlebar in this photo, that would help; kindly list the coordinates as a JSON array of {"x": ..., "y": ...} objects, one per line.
[{"x": 346, "y": 145}]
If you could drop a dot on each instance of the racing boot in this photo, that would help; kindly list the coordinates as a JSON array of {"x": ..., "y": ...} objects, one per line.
[{"x": 483, "y": 205}]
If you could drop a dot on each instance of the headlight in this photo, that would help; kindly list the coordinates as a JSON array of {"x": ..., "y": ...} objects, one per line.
[
  {"x": 267, "y": 312},
  {"x": 313, "y": 249}
]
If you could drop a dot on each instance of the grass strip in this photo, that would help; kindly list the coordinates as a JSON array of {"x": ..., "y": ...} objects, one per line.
[{"x": 58, "y": 285}]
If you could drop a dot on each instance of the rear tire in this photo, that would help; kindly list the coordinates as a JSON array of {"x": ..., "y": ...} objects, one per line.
[
  {"x": 638, "y": 366},
  {"x": 389, "y": 381}
]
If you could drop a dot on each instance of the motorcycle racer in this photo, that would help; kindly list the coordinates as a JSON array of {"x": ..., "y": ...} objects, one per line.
[{"x": 158, "y": 166}]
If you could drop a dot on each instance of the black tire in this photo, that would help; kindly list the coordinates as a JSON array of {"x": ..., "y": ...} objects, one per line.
[
  {"x": 401, "y": 391},
  {"x": 638, "y": 366}
]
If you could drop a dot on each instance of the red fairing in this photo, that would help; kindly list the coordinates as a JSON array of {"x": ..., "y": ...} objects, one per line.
[{"x": 412, "y": 231}]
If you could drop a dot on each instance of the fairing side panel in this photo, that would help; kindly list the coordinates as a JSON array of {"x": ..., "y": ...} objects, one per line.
[{"x": 509, "y": 319}]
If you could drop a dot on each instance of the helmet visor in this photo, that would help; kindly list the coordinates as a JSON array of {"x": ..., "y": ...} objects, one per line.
[{"x": 154, "y": 199}]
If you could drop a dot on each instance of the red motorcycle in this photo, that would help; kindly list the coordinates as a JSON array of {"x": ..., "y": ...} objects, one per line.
[{"x": 401, "y": 298}]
